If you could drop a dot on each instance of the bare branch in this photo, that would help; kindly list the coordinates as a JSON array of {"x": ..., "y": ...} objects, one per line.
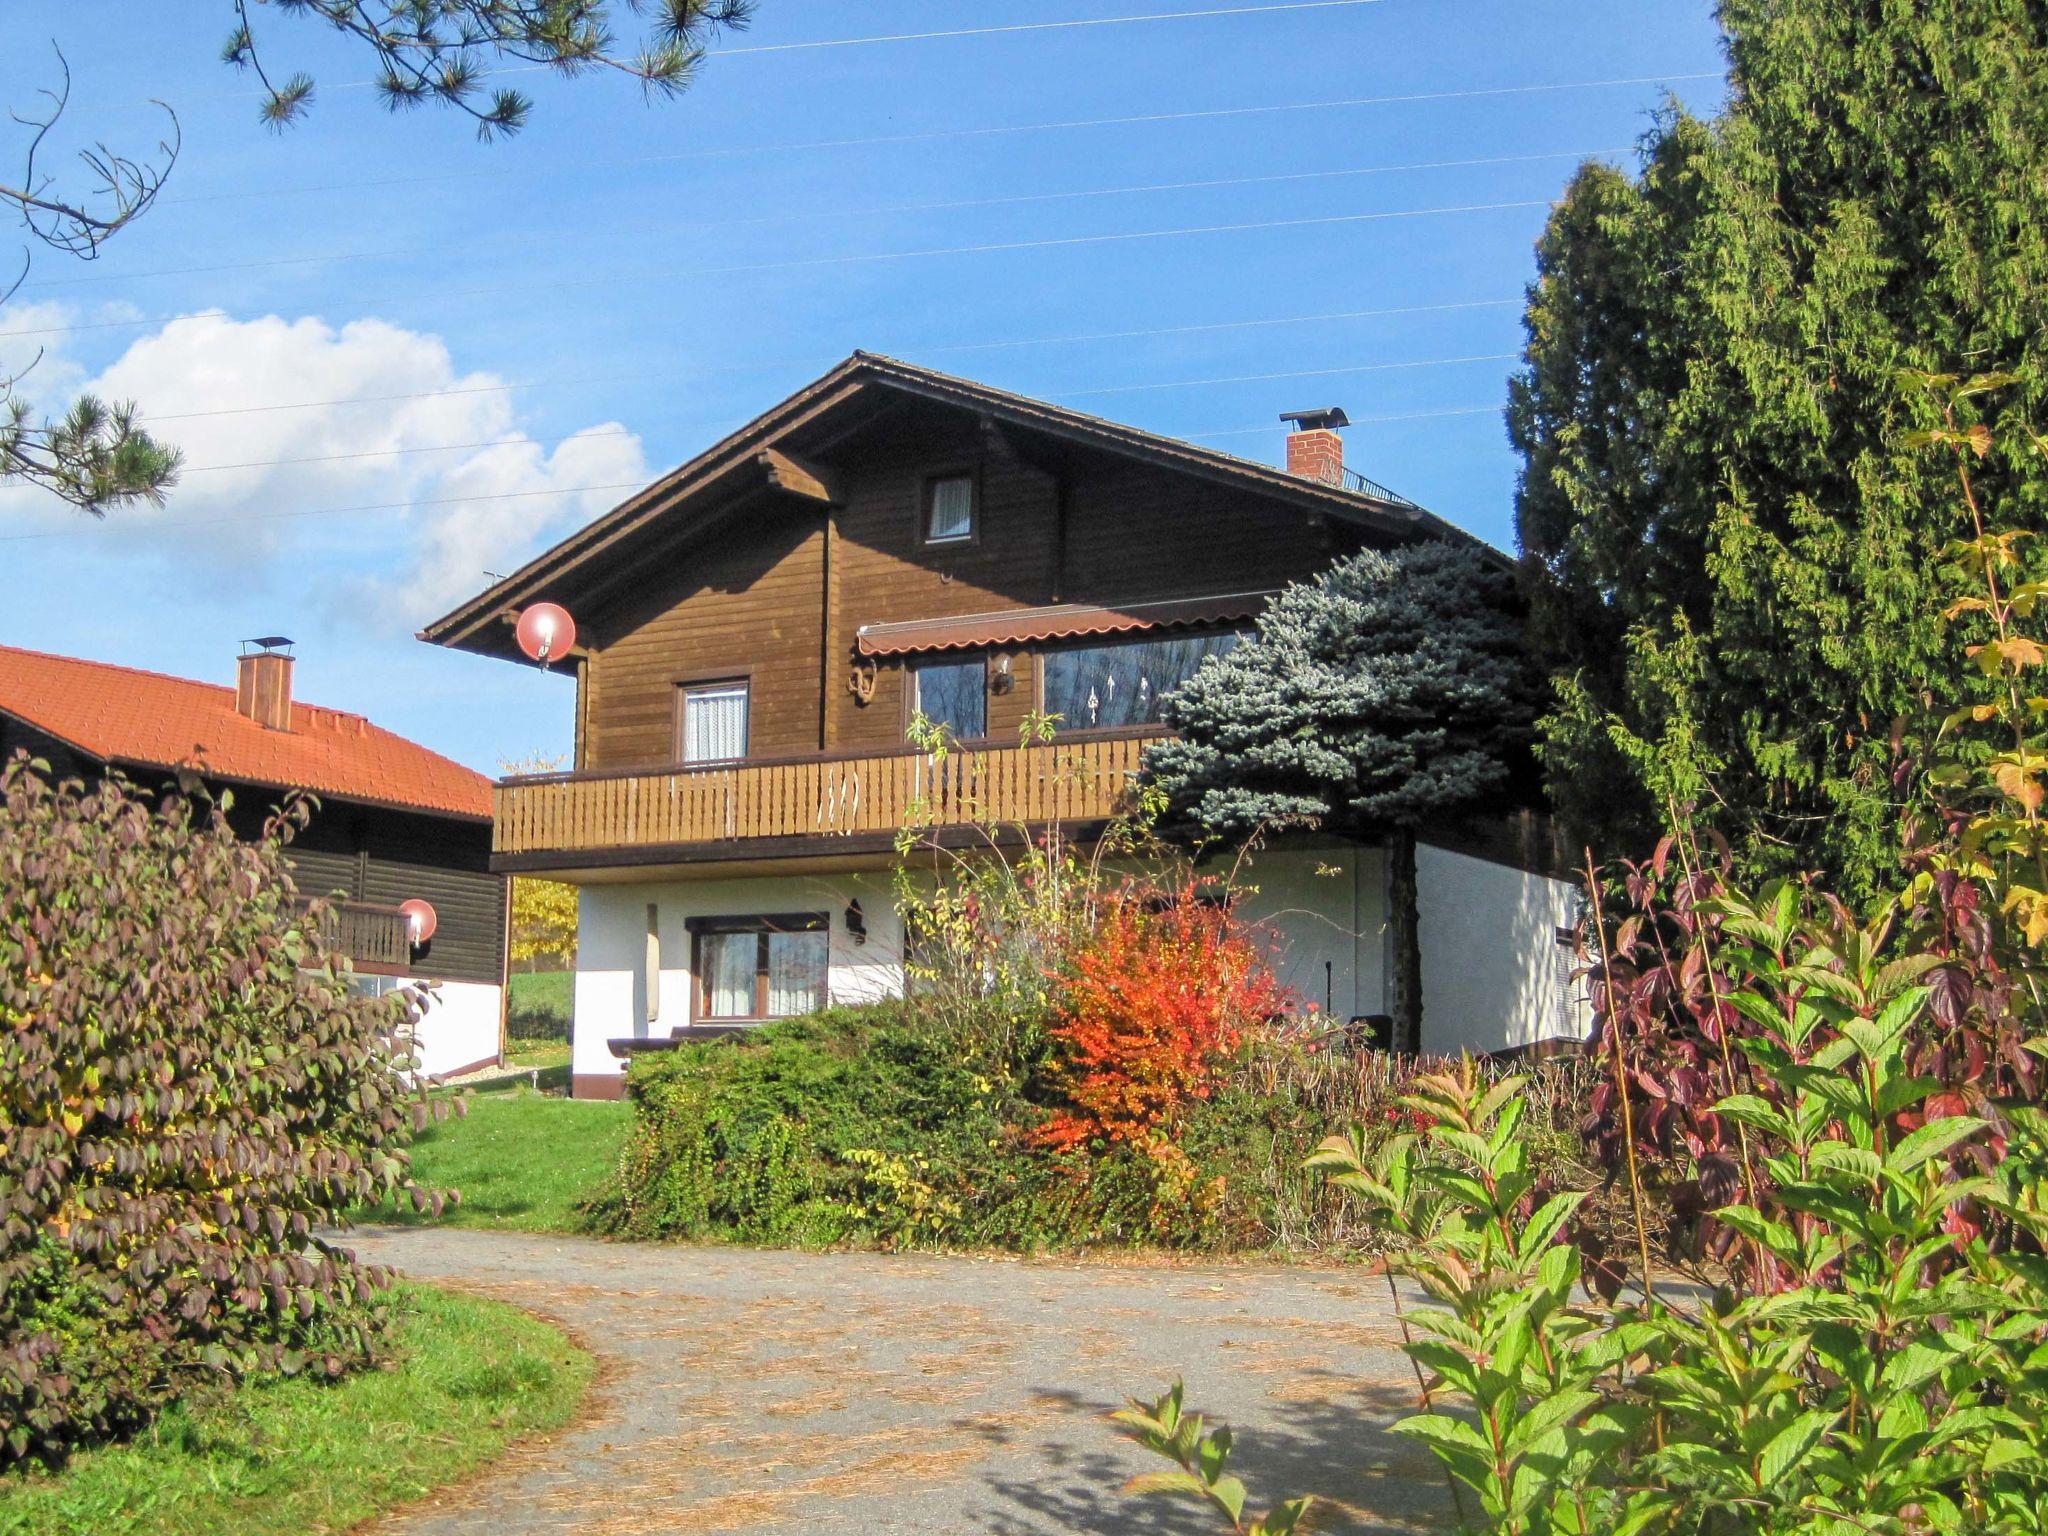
[{"x": 125, "y": 187}]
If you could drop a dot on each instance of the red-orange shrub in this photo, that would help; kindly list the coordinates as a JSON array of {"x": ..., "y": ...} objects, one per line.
[{"x": 1155, "y": 1001}]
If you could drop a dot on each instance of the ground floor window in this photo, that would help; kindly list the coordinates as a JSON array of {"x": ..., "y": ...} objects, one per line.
[
  {"x": 1124, "y": 683},
  {"x": 770, "y": 967}
]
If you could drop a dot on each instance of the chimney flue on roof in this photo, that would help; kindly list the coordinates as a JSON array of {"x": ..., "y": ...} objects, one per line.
[
  {"x": 1314, "y": 450},
  {"x": 263, "y": 682}
]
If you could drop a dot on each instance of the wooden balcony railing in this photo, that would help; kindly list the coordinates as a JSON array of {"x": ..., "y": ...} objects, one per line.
[
  {"x": 369, "y": 934},
  {"x": 1073, "y": 779}
]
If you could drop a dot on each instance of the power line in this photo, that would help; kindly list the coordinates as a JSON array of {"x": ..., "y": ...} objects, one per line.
[
  {"x": 812, "y": 215},
  {"x": 392, "y": 453},
  {"x": 268, "y": 407},
  {"x": 808, "y": 262},
  {"x": 1356, "y": 421},
  {"x": 1038, "y": 26},
  {"x": 278, "y": 517},
  {"x": 813, "y": 44},
  {"x": 1299, "y": 373},
  {"x": 87, "y": 529},
  {"x": 618, "y": 432},
  {"x": 583, "y": 168}
]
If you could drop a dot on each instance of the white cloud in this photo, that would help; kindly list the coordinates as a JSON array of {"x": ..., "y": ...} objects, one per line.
[
  {"x": 283, "y": 421},
  {"x": 31, "y": 355}
]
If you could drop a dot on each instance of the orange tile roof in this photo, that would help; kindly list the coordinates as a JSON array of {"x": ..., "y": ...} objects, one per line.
[{"x": 123, "y": 715}]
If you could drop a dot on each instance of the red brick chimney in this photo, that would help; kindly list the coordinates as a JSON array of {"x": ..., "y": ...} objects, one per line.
[
  {"x": 263, "y": 683},
  {"x": 1314, "y": 450}
]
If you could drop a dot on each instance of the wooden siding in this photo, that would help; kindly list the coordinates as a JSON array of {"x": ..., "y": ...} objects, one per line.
[
  {"x": 745, "y": 601},
  {"x": 360, "y": 853},
  {"x": 382, "y": 858},
  {"x": 19, "y": 736},
  {"x": 777, "y": 586},
  {"x": 822, "y": 796}
]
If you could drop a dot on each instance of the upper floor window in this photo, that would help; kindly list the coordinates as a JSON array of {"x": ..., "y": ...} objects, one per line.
[
  {"x": 1123, "y": 683},
  {"x": 711, "y": 725},
  {"x": 949, "y": 509},
  {"x": 953, "y": 694}
]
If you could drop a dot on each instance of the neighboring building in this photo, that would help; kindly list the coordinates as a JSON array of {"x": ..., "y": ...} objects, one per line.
[
  {"x": 756, "y": 629},
  {"x": 395, "y": 823}
]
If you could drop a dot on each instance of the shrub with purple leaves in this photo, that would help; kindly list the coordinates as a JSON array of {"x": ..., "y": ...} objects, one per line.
[{"x": 188, "y": 1090}]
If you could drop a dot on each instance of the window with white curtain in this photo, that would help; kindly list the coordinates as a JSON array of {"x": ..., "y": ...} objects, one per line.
[
  {"x": 796, "y": 973},
  {"x": 726, "y": 963},
  {"x": 1125, "y": 683},
  {"x": 713, "y": 727},
  {"x": 752, "y": 968},
  {"x": 949, "y": 509}
]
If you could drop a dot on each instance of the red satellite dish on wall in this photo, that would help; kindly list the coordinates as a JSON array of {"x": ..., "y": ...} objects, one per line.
[
  {"x": 420, "y": 919},
  {"x": 545, "y": 631}
]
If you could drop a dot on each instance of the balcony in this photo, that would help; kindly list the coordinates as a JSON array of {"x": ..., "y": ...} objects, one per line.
[
  {"x": 807, "y": 806},
  {"x": 369, "y": 934}
]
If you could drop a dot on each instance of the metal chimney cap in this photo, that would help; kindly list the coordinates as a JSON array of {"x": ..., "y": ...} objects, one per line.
[
  {"x": 269, "y": 642},
  {"x": 1327, "y": 419}
]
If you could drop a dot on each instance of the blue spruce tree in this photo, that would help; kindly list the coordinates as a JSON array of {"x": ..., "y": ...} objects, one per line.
[{"x": 1391, "y": 694}]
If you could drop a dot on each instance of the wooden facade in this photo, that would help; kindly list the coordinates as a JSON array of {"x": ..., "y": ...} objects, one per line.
[
  {"x": 776, "y": 594},
  {"x": 762, "y": 560},
  {"x": 367, "y": 858},
  {"x": 374, "y": 857}
]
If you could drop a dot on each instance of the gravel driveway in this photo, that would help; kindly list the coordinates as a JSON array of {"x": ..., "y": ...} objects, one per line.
[{"x": 743, "y": 1390}]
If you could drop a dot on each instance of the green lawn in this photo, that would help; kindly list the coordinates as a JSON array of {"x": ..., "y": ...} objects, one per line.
[
  {"x": 521, "y": 1160},
  {"x": 307, "y": 1456},
  {"x": 544, "y": 992},
  {"x": 538, "y": 1053}
]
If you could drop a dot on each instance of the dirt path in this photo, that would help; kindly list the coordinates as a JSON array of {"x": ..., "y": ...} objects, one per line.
[{"x": 756, "y": 1391}]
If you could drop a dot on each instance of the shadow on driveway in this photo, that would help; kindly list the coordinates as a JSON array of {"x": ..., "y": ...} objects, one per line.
[{"x": 749, "y": 1390}]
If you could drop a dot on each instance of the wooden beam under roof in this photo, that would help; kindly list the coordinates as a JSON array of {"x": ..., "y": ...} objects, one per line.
[{"x": 799, "y": 477}]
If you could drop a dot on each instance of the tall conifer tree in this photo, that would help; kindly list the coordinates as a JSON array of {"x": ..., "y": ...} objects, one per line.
[{"x": 1734, "y": 567}]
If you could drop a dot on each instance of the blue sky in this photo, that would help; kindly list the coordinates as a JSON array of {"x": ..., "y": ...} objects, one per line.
[{"x": 518, "y": 328}]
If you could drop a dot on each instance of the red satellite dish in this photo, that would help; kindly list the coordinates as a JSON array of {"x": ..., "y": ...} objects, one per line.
[
  {"x": 420, "y": 919},
  {"x": 546, "y": 631}
]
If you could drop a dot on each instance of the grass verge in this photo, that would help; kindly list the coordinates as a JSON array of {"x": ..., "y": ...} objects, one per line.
[
  {"x": 469, "y": 1376},
  {"x": 521, "y": 1160}
]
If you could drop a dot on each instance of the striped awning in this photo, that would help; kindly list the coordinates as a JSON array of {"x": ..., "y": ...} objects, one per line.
[{"x": 1060, "y": 621}]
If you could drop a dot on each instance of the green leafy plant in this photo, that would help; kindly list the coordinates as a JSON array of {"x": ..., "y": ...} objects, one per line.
[
  {"x": 1849, "y": 1102},
  {"x": 189, "y": 1093},
  {"x": 1203, "y": 1456}
]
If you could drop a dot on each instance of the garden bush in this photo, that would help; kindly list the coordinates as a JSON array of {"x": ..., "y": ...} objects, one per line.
[
  {"x": 188, "y": 1089},
  {"x": 1844, "y": 1110},
  {"x": 868, "y": 1126}
]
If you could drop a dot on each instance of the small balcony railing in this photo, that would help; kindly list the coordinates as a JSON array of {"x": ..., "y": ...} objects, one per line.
[
  {"x": 867, "y": 797},
  {"x": 366, "y": 932}
]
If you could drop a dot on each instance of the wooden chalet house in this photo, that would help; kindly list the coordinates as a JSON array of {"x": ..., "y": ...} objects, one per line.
[
  {"x": 756, "y": 629},
  {"x": 396, "y": 823}
]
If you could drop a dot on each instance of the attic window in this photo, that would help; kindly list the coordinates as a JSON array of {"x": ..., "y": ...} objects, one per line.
[{"x": 949, "y": 509}]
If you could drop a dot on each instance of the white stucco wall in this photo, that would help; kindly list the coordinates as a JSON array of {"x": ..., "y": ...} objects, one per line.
[
  {"x": 1493, "y": 974},
  {"x": 460, "y": 1028},
  {"x": 612, "y": 950},
  {"x": 1326, "y": 907}
]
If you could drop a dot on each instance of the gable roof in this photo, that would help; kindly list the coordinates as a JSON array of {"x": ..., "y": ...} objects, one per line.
[
  {"x": 146, "y": 719},
  {"x": 1373, "y": 506}
]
